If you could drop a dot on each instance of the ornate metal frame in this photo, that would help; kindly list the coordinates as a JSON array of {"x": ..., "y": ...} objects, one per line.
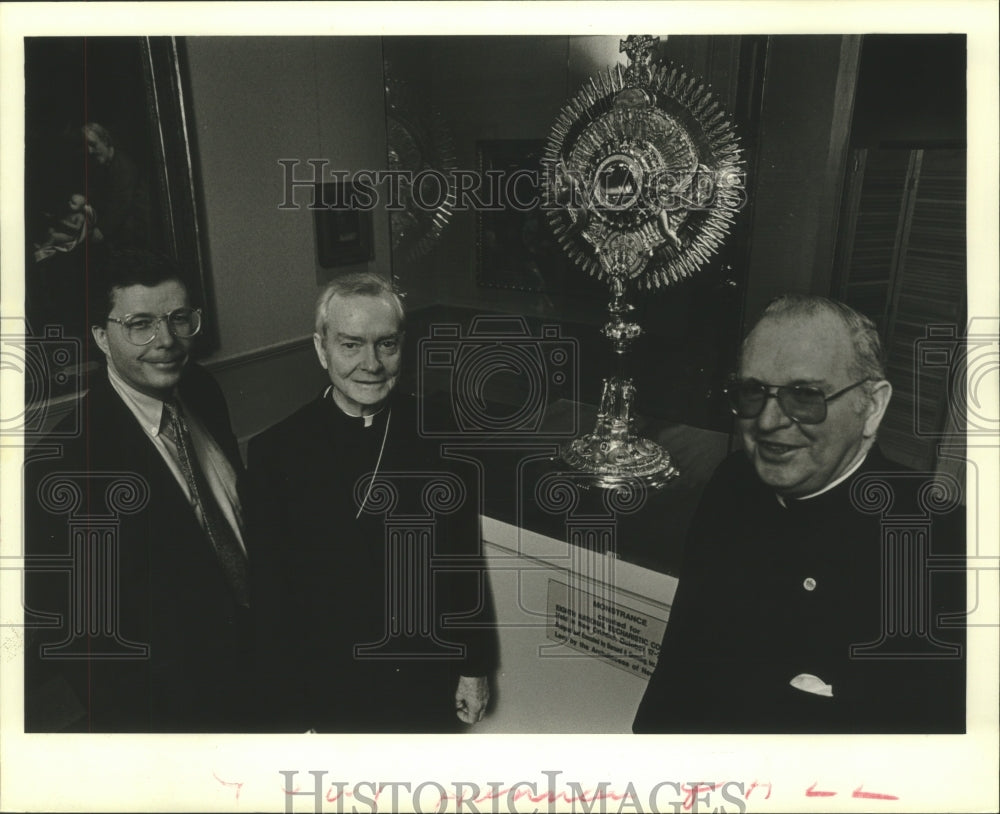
[{"x": 418, "y": 141}]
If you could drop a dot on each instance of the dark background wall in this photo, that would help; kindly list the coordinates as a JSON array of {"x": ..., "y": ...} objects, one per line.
[
  {"x": 911, "y": 91},
  {"x": 801, "y": 102}
]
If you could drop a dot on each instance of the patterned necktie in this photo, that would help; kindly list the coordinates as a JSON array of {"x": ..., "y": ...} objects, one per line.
[{"x": 220, "y": 533}]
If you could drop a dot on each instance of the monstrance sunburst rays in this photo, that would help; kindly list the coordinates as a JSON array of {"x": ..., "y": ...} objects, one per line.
[{"x": 642, "y": 180}]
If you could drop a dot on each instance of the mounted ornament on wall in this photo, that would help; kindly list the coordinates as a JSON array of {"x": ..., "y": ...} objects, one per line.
[
  {"x": 421, "y": 146},
  {"x": 642, "y": 179}
]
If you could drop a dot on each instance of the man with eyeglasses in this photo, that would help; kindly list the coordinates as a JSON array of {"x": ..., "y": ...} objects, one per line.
[
  {"x": 787, "y": 616},
  {"x": 134, "y": 532}
]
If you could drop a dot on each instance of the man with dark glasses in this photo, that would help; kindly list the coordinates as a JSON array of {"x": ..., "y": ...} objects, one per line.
[
  {"x": 807, "y": 601},
  {"x": 134, "y": 530}
]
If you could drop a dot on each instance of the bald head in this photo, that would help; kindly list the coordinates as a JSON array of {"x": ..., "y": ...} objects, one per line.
[{"x": 866, "y": 362}]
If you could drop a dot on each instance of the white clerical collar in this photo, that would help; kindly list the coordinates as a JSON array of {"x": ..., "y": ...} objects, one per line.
[
  {"x": 369, "y": 419},
  {"x": 147, "y": 409},
  {"x": 851, "y": 470}
]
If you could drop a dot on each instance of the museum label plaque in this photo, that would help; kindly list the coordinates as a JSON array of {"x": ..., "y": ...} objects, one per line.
[{"x": 601, "y": 626}]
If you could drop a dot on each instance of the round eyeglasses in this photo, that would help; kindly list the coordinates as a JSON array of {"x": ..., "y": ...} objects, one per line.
[
  {"x": 140, "y": 329},
  {"x": 803, "y": 404}
]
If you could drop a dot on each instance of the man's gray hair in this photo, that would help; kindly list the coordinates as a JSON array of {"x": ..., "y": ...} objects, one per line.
[
  {"x": 869, "y": 361},
  {"x": 356, "y": 284}
]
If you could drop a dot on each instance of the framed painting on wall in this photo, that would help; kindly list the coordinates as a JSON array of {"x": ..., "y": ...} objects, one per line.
[
  {"x": 109, "y": 164},
  {"x": 343, "y": 232},
  {"x": 515, "y": 248}
]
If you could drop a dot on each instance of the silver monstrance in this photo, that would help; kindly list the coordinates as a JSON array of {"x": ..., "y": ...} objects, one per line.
[{"x": 643, "y": 176}]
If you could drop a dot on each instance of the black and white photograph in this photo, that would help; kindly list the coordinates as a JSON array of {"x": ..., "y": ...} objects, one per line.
[{"x": 500, "y": 407}]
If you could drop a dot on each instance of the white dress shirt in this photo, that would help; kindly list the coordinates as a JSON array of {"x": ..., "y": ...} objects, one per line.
[{"x": 219, "y": 473}]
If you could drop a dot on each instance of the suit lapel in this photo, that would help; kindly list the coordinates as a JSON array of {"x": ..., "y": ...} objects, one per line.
[
  {"x": 203, "y": 398},
  {"x": 117, "y": 441}
]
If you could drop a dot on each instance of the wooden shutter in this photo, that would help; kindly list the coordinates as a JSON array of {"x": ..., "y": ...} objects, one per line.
[{"x": 902, "y": 261}]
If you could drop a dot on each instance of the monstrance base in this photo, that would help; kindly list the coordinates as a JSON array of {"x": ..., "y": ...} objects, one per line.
[{"x": 620, "y": 461}]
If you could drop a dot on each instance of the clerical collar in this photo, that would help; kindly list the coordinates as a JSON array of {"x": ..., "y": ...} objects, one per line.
[
  {"x": 368, "y": 419},
  {"x": 829, "y": 486}
]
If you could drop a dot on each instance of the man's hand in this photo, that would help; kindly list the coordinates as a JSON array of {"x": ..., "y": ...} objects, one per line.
[{"x": 471, "y": 698}]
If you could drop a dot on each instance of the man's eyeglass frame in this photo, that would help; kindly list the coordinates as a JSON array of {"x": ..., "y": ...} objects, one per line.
[
  {"x": 784, "y": 394},
  {"x": 155, "y": 327}
]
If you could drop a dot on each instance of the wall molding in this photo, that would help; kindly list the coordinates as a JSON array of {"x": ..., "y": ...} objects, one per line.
[{"x": 258, "y": 354}]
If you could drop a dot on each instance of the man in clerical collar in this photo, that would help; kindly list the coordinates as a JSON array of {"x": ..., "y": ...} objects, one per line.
[
  {"x": 358, "y": 340},
  {"x": 167, "y": 617},
  {"x": 810, "y": 395},
  {"x": 785, "y": 616},
  {"x": 351, "y": 531}
]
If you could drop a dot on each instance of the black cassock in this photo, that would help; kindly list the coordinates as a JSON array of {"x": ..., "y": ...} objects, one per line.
[
  {"x": 365, "y": 621},
  {"x": 769, "y": 594}
]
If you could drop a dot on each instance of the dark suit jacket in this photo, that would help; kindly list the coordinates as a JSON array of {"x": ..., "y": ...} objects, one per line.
[
  {"x": 326, "y": 582},
  {"x": 161, "y": 590}
]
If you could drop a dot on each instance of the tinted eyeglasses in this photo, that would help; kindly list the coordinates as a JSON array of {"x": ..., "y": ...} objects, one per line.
[
  {"x": 140, "y": 329},
  {"x": 803, "y": 404}
]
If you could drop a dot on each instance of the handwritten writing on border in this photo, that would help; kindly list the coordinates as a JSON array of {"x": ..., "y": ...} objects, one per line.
[{"x": 469, "y": 794}]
